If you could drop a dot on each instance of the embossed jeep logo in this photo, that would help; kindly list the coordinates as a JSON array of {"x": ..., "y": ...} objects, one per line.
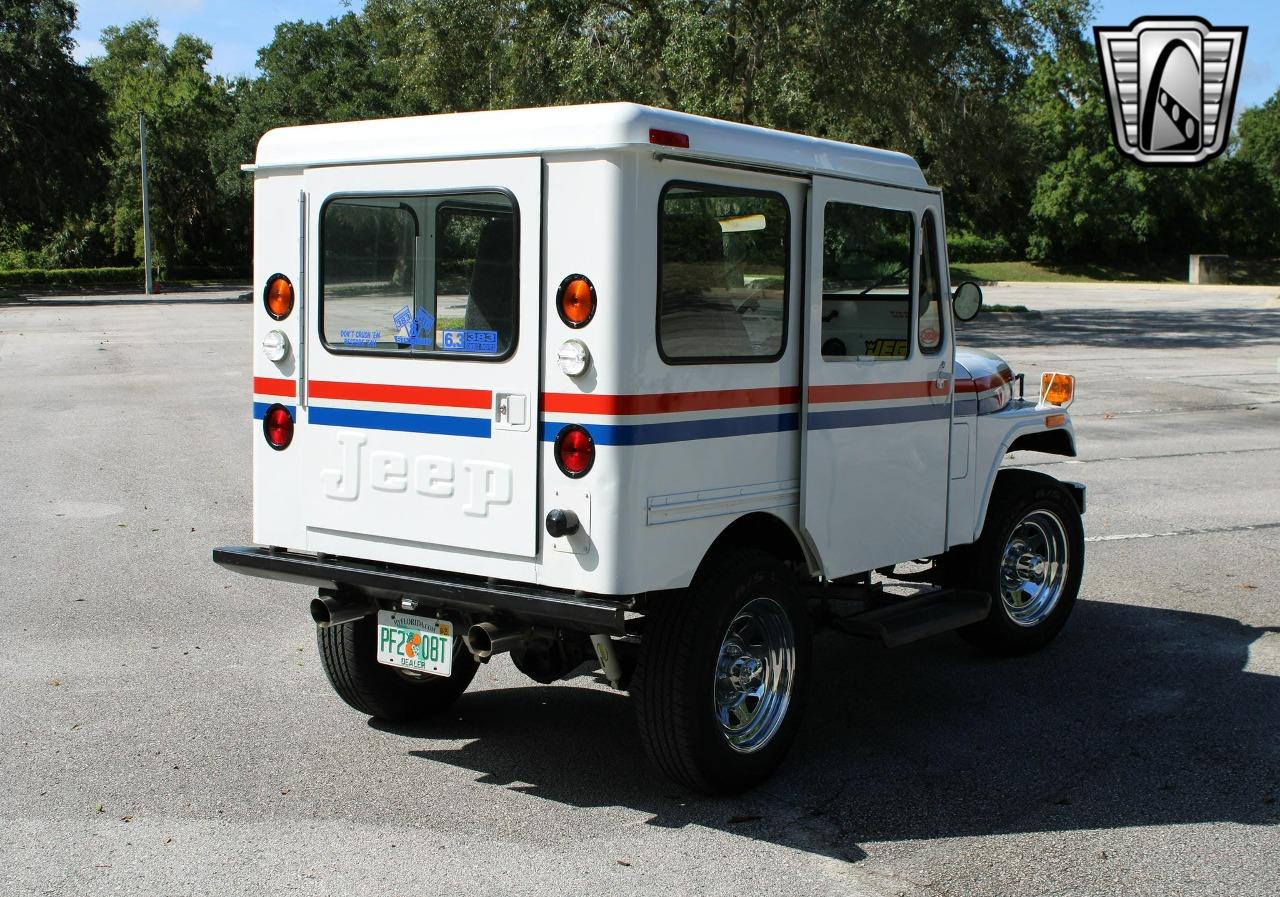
[{"x": 484, "y": 483}]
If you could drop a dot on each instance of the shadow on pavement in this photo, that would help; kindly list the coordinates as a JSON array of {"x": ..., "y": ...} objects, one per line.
[
  {"x": 1159, "y": 329},
  {"x": 1134, "y": 717}
]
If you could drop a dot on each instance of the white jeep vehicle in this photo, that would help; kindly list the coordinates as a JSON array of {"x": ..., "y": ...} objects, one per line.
[{"x": 611, "y": 387}]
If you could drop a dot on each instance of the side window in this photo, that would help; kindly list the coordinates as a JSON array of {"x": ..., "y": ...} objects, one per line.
[
  {"x": 930, "y": 324},
  {"x": 866, "y": 283},
  {"x": 722, "y": 274},
  {"x": 419, "y": 275}
]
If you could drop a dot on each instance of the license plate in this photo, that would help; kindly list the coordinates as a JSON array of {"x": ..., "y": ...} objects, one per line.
[{"x": 415, "y": 643}]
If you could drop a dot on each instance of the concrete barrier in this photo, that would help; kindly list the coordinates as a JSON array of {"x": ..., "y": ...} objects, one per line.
[{"x": 1209, "y": 269}]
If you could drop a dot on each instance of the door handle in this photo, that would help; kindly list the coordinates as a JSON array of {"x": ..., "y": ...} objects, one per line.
[
  {"x": 511, "y": 411},
  {"x": 942, "y": 378}
]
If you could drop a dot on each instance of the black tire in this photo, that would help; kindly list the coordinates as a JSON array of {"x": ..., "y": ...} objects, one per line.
[
  {"x": 349, "y": 655},
  {"x": 1016, "y": 496},
  {"x": 675, "y": 682}
]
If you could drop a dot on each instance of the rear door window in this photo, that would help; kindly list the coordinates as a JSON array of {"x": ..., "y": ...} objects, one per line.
[{"x": 420, "y": 275}]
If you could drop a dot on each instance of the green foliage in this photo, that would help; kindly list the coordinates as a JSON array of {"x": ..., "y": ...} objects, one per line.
[
  {"x": 999, "y": 100},
  {"x": 185, "y": 109},
  {"x": 70, "y": 276},
  {"x": 51, "y": 137},
  {"x": 1259, "y": 138},
  {"x": 963, "y": 246}
]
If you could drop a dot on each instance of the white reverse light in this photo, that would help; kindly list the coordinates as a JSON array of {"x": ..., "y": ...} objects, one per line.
[
  {"x": 574, "y": 357},
  {"x": 275, "y": 345}
]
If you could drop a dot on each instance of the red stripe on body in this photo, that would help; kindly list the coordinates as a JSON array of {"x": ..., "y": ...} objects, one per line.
[
  {"x": 667, "y": 402},
  {"x": 874, "y": 392},
  {"x": 275, "y": 386},
  {"x": 400, "y": 395}
]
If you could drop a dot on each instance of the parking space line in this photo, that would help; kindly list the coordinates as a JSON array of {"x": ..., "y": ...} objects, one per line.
[{"x": 1196, "y": 531}]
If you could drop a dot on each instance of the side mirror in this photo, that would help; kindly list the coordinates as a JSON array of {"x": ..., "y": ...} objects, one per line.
[{"x": 967, "y": 301}]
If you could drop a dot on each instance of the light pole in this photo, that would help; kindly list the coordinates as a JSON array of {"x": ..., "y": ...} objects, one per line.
[{"x": 146, "y": 201}]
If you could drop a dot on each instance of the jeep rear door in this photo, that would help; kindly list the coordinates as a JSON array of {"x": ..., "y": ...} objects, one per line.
[{"x": 418, "y": 379}]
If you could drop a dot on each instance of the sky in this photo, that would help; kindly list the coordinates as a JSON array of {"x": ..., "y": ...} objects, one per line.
[{"x": 238, "y": 28}]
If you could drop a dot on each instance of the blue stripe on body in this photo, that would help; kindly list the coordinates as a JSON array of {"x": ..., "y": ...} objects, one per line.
[
  {"x": 260, "y": 410},
  {"x": 439, "y": 424},
  {"x": 714, "y": 428},
  {"x": 875, "y": 417},
  {"x": 681, "y": 430}
]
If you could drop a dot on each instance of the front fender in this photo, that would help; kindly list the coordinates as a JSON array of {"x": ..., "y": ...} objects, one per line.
[{"x": 1021, "y": 426}]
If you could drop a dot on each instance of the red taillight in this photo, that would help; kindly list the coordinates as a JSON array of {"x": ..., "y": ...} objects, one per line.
[
  {"x": 668, "y": 138},
  {"x": 576, "y": 301},
  {"x": 278, "y": 296},
  {"x": 277, "y": 426},
  {"x": 575, "y": 451}
]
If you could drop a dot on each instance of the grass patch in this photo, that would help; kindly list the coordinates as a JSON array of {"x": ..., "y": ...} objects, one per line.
[
  {"x": 1037, "y": 272},
  {"x": 116, "y": 277}
]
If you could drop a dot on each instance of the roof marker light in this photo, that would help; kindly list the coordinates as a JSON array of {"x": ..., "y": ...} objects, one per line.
[{"x": 660, "y": 137}]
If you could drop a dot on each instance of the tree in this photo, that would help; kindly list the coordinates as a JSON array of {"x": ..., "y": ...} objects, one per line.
[
  {"x": 185, "y": 109},
  {"x": 311, "y": 72},
  {"x": 52, "y": 131},
  {"x": 1259, "y": 137}
]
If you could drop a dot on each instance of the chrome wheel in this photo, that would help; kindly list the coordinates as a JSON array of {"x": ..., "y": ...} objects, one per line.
[
  {"x": 754, "y": 675},
  {"x": 1033, "y": 567}
]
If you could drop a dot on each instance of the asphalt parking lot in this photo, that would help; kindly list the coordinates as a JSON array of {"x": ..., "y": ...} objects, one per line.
[{"x": 166, "y": 727}]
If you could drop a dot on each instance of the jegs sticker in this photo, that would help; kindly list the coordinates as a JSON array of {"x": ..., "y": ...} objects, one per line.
[{"x": 418, "y": 328}]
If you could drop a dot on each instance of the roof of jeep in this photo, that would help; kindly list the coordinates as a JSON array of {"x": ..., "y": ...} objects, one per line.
[{"x": 560, "y": 129}]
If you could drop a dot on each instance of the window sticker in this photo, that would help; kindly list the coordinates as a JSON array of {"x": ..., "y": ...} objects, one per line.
[
  {"x": 484, "y": 342},
  {"x": 418, "y": 327},
  {"x": 886, "y": 348},
  {"x": 361, "y": 338}
]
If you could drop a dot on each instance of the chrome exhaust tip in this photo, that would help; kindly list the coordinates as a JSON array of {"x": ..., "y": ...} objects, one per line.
[
  {"x": 484, "y": 640},
  {"x": 331, "y": 608}
]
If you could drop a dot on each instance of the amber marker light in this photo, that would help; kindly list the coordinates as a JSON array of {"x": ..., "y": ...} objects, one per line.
[
  {"x": 576, "y": 300},
  {"x": 277, "y": 296},
  {"x": 1057, "y": 389},
  {"x": 1055, "y": 420}
]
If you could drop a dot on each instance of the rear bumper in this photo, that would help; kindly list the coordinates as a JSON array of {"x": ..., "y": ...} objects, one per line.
[{"x": 471, "y": 595}]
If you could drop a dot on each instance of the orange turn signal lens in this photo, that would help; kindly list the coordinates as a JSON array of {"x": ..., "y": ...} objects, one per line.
[
  {"x": 1055, "y": 420},
  {"x": 278, "y": 296},
  {"x": 576, "y": 301},
  {"x": 1057, "y": 389}
]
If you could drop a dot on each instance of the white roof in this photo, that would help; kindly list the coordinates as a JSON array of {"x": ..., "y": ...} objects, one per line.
[{"x": 558, "y": 129}]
